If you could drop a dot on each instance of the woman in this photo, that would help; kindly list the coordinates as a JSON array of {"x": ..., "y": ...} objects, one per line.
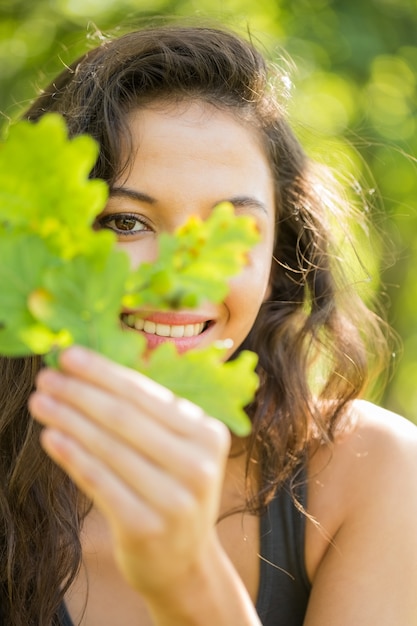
[{"x": 144, "y": 510}]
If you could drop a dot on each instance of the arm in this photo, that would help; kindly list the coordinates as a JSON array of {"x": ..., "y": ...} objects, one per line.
[
  {"x": 368, "y": 574},
  {"x": 154, "y": 466}
]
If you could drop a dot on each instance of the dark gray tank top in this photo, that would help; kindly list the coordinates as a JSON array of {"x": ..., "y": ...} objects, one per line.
[{"x": 284, "y": 587}]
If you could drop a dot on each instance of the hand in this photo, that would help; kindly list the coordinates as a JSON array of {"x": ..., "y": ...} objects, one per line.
[{"x": 152, "y": 463}]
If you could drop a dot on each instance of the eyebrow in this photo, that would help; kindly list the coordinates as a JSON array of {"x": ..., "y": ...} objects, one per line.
[
  {"x": 247, "y": 201},
  {"x": 140, "y": 196}
]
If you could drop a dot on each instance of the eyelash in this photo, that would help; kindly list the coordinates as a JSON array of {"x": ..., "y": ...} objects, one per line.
[{"x": 105, "y": 221}]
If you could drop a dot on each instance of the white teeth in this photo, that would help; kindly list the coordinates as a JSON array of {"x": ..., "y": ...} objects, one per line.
[
  {"x": 137, "y": 323},
  {"x": 190, "y": 330},
  {"x": 177, "y": 331},
  {"x": 163, "y": 330},
  {"x": 149, "y": 327}
]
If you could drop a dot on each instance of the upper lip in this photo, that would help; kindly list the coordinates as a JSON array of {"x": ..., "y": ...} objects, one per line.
[{"x": 172, "y": 318}]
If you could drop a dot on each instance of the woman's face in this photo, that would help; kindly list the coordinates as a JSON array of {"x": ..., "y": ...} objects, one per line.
[{"x": 187, "y": 158}]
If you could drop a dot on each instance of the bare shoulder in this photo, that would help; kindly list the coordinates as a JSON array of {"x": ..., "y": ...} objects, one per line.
[
  {"x": 379, "y": 442},
  {"x": 380, "y": 449},
  {"x": 361, "y": 536},
  {"x": 382, "y": 427},
  {"x": 373, "y": 444}
]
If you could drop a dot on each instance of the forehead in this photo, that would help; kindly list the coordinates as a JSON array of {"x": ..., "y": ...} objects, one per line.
[
  {"x": 200, "y": 134},
  {"x": 164, "y": 121}
]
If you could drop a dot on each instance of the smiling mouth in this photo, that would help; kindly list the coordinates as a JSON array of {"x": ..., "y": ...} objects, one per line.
[{"x": 175, "y": 331}]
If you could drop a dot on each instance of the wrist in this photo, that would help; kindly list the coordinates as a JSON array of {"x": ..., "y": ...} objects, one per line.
[{"x": 209, "y": 592}]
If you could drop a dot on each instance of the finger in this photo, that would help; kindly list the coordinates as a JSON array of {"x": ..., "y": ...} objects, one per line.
[
  {"x": 115, "y": 500},
  {"x": 124, "y": 383},
  {"x": 128, "y": 420},
  {"x": 188, "y": 463},
  {"x": 131, "y": 385}
]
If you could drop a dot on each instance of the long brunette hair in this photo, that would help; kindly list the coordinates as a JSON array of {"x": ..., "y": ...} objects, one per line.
[{"x": 312, "y": 320}]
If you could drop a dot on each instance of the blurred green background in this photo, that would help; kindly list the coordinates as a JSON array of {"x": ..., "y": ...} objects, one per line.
[{"x": 354, "y": 67}]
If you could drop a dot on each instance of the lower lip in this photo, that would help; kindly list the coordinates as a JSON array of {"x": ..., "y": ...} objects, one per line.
[{"x": 182, "y": 344}]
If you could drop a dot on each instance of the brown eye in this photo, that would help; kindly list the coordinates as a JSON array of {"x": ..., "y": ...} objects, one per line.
[{"x": 123, "y": 224}]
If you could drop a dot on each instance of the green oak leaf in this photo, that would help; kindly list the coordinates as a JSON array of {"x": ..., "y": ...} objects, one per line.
[
  {"x": 220, "y": 389},
  {"x": 24, "y": 260},
  {"x": 84, "y": 296},
  {"x": 42, "y": 175}
]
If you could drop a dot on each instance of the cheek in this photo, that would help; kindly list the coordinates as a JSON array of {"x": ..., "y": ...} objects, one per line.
[
  {"x": 258, "y": 272},
  {"x": 250, "y": 288},
  {"x": 142, "y": 251}
]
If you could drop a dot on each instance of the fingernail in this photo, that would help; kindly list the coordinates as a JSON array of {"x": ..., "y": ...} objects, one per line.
[
  {"x": 48, "y": 379},
  {"x": 75, "y": 355}
]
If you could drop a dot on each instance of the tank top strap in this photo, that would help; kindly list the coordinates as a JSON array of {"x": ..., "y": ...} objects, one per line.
[{"x": 284, "y": 587}]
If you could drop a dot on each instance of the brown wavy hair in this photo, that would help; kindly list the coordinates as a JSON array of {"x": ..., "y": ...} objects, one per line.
[{"x": 313, "y": 320}]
